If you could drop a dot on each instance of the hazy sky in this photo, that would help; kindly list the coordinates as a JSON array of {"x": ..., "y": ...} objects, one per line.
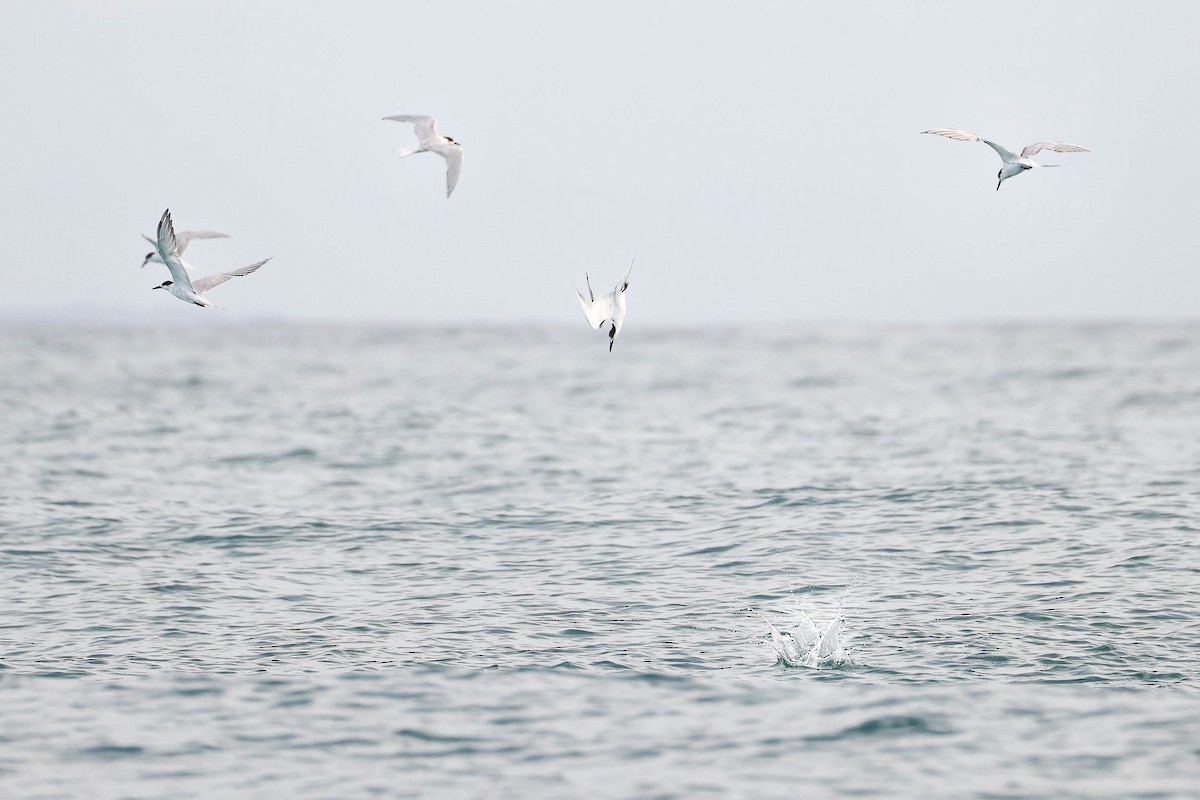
[{"x": 761, "y": 160}]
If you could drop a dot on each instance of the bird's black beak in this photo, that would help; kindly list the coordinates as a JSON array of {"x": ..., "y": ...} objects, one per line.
[{"x": 156, "y": 287}]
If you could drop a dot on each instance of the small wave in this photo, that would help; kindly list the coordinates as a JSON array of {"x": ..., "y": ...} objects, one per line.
[
  {"x": 295, "y": 454},
  {"x": 887, "y": 726},
  {"x": 806, "y": 645}
]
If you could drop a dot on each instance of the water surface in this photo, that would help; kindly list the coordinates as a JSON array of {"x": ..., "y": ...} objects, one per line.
[{"x": 306, "y": 561}]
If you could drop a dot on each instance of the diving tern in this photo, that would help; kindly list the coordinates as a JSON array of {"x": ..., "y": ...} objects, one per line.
[
  {"x": 606, "y": 308},
  {"x": 1013, "y": 165},
  {"x": 183, "y": 238},
  {"x": 182, "y": 285},
  {"x": 433, "y": 142}
]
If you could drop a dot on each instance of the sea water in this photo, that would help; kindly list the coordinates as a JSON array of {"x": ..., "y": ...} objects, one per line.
[{"x": 269, "y": 560}]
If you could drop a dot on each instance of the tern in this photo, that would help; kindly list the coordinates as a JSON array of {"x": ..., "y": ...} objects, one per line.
[
  {"x": 433, "y": 142},
  {"x": 183, "y": 238},
  {"x": 1013, "y": 165},
  {"x": 606, "y": 308},
  {"x": 182, "y": 285}
]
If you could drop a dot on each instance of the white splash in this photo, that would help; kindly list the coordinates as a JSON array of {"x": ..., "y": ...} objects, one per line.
[{"x": 809, "y": 646}]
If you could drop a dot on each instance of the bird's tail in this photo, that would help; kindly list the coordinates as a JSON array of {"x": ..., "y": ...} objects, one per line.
[{"x": 405, "y": 152}]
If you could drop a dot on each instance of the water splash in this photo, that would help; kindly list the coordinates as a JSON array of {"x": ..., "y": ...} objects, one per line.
[{"x": 807, "y": 645}]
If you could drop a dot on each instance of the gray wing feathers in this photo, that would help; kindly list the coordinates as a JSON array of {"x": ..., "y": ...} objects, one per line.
[
  {"x": 625, "y": 280},
  {"x": 454, "y": 157},
  {"x": 210, "y": 282},
  {"x": 166, "y": 244},
  {"x": 1058, "y": 147},
  {"x": 425, "y": 127},
  {"x": 1005, "y": 155},
  {"x": 967, "y": 136},
  {"x": 184, "y": 237},
  {"x": 953, "y": 133},
  {"x": 168, "y": 250}
]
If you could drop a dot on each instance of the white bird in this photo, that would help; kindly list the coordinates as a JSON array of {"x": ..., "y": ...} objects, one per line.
[
  {"x": 606, "y": 308},
  {"x": 182, "y": 285},
  {"x": 433, "y": 142},
  {"x": 1013, "y": 165},
  {"x": 183, "y": 238}
]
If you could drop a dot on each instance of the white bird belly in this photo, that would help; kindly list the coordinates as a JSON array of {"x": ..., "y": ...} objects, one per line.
[
  {"x": 1009, "y": 170},
  {"x": 187, "y": 296}
]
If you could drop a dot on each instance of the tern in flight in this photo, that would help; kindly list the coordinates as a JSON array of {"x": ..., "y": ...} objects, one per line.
[
  {"x": 606, "y": 308},
  {"x": 182, "y": 285},
  {"x": 433, "y": 142},
  {"x": 183, "y": 238},
  {"x": 1013, "y": 165}
]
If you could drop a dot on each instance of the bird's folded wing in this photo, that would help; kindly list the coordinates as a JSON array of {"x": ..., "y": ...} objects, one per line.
[
  {"x": 210, "y": 282},
  {"x": 625, "y": 280},
  {"x": 1058, "y": 147},
  {"x": 425, "y": 127},
  {"x": 596, "y": 311}
]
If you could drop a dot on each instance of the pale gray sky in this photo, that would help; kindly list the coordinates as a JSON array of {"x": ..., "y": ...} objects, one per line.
[{"x": 761, "y": 160}]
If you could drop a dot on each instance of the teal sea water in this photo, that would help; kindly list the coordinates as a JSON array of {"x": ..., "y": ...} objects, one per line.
[{"x": 827, "y": 561}]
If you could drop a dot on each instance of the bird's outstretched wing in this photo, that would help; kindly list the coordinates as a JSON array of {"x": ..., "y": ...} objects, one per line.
[
  {"x": 181, "y": 242},
  {"x": 597, "y": 311},
  {"x": 967, "y": 136},
  {"x": 185, "y": 237},
  {"x": 168, "y": 251},
  {"x": 954, "y": 133},
  {"x": 424, "y": 127},
  {"x": 210, "y": 282},
  {"x": 1058, "y": 147},
  {"x": 454, "y": 156}
]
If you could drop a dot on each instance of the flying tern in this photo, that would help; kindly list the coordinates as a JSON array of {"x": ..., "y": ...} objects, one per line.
[
  {"x": 183, "y": 238},
  {"x": 1013, "y": 165},
  {"x": 606, "y": 308},
  {"x": 182, "y": 285},
  {"x": 433, "y": 142}
]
